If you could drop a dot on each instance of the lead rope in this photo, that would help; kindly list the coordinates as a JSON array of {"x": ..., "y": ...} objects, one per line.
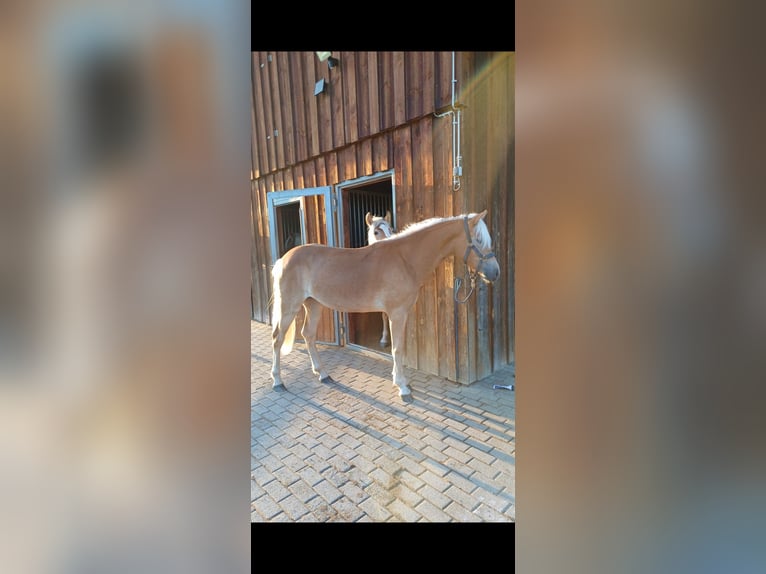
[{"x": 459, "y": 284}]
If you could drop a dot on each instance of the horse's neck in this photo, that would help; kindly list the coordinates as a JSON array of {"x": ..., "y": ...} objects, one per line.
[{"x": 432, "y": 245}]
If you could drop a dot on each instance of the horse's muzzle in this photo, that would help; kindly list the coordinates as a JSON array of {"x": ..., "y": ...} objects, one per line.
[{"x": 489, "y": 271}]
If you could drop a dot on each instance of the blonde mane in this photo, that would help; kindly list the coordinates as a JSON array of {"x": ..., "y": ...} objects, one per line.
[{"x": 480, "y": 233}]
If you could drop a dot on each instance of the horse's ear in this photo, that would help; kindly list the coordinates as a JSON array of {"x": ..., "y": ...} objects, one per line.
[
  {"x": 475, "y": 219},
  {"x": 388, "y": 218},
  {"x": 368, "y": 218}
]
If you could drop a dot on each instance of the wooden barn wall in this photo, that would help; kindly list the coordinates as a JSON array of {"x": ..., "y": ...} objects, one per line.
[
  {"x": 487, "y": 89},
  {"x": 377, "y": 115}
]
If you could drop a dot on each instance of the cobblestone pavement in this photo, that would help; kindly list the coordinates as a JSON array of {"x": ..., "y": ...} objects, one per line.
[{"x": 353, "y": 451}]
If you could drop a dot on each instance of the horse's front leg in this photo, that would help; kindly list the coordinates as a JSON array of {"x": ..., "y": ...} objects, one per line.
[
  {"x": 309, "y": 332},
  {"x": 398, "y": 324}
]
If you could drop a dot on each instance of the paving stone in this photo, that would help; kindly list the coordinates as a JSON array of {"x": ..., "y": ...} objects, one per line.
[
  {"x": 376, "y": 511},
  {"x": 435, "y": 497},
  {"x": 457, "y": 455},
  {"x": 464, "y": 498},
  {"x": 431, "y": 513},
  {"x": 461, "y": 514},
  {"x": 266, "y": 507},
  {"x": 403, "y": 512}
]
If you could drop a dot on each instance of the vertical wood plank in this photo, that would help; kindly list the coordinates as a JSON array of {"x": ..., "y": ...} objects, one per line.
[
  {"x": 331, "y": 166},
  {"x": 350, "y": 97},
  {"x": 414, "y": 79},
  {"x": 312, "y": 104},
  {"x": 423, "y": 200},
  {"x": 297, "y": 177},
  {"x": 380, "y": 153},
  {"x": 268, "y": 109},
  {"x": 326, "y": 323},
  {"x": 404, "y": 216},
  {"x": 259, "y": 137},
  {"x": 364, "y": 158},
  {"x": 263, "y": 251},
  {"x": 287, "y": 179},
  {"x": 321, "y": 171},
  {"x": 309, "y": 174},
  {"x": 466, "y": 326},
  {"x": 399, "y": 89},
  {"x": 484, "y": 159},
  {"x": 255, "y": 169},
  {"x": 501, "y": 100},
  {"x": 255, "y": 286},
  {"x": 313, "y": 220},
  {"x": 336, "y": 88},
  {"x": 442, "y": 154},
  {"x": 276, "y": 108},
  {"x": 256, "y": 296},
  {"x": 278, "y": 179},
  {"x": 390, "y": 148},
  {"x": 373, "y": 92},
  {"x": 428, "y": 81},
  {"x": 288, "y": 101},
  {"x": 324, "y": 107},
  {"x": 363, "y": 94},
  {"x": 299, "y": 106},
  {"x": 386, "y": 67},
  {"x": 443, "y": 93},
  {"x": 347, "y": 164}
]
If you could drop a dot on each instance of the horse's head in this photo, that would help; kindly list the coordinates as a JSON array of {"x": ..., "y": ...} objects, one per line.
[
  {"x": 378, "y": 227},
  {"x": 478, "y": 252}
]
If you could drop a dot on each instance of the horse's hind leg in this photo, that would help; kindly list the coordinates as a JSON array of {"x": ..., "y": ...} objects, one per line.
[
  {"x": 278, "y": 334},
  {"x": 384, "y": 337},
  {"x": 309, "y": 332}
]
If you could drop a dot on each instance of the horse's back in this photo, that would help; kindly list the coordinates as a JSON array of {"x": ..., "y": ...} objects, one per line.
[
  {"x": 313, "y": 260},
  {"x": 305, "y": 255},
  {"x": 312, "y": 253}
]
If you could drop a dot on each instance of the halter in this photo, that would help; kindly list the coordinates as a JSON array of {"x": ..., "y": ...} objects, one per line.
[{"x": 470, "y": 275}]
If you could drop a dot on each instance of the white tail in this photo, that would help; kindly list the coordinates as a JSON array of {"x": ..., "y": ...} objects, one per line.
[
  {"x": 287, "y": 346},
  {"x": 276, "y": 316}
]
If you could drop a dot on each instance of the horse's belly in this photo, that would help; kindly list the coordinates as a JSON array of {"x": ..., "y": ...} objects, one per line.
[{"x": 353, "y": 304}]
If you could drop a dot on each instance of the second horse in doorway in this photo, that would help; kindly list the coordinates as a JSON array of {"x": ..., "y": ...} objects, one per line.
[{"x": 379, "y": 228}]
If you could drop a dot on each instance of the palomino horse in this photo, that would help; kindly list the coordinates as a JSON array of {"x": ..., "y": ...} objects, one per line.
[
  {"x": 379, "y": 228},
  {"x": 385, "y": 276}
]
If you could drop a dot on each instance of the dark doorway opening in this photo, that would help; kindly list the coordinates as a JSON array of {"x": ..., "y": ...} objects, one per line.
[{"x": 288, "y": 227}]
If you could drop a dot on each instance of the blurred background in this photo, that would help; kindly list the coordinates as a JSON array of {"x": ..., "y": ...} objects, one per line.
[
  {"x": 124, "y": 286},
  {"x": 641, "y": 288}
]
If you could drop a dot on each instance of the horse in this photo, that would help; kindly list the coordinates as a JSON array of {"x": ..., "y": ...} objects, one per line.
[
  {"x": 379, "y": 228},
  {"x": 385, "y": 277}
]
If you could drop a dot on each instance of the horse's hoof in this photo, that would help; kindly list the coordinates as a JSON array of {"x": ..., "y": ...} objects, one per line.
[
  {"x": 279, "y": 388},
  {"x": 328, "y": 380},
  {"x": 407, "y": 398}
]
